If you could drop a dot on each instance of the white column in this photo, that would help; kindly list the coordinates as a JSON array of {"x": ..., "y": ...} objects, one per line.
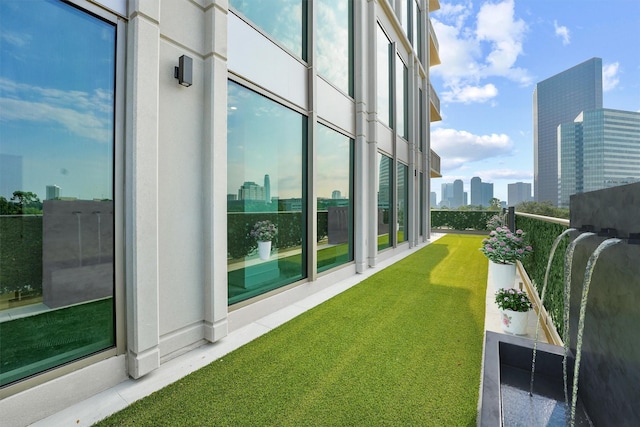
[
  {"x": 215, "y": 172},
  {"x": 141, "y": 188}
]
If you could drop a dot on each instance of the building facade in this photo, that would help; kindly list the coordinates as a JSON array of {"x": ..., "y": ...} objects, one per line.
[
  {"x": 556, "y": 100},
  {"x": 152, "y": 116},
  {"x": 599, "y": 149},
  {"x": 519, "y": 192}
]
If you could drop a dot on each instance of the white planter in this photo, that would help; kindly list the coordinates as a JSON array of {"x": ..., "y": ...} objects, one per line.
[
  {"x": 514, "y": 322},
  {"x": 264, "y": 250},
  {"x": 501, "y": 276}
]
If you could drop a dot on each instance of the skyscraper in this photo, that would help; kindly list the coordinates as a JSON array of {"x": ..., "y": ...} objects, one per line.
[
  {"x": 458, "y": 193},
  {"x": 600, "y": 149},
  {"x": 476, "y": 191},
  {"x": 487, "y": 193},
  {"x": 267, "y": 189},
  {"x": 559, "y": 99},
  {"x": 519, "y": 192}
]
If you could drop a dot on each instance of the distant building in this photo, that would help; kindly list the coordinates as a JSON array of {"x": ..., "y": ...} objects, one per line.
[
  {"x": 53, "y": 192},
  {"x": 336, "y": 194},
  {"x": 446, "y": 195},
  {"x": 458, "y": 193},
  {"x": 433, "y": 198},
  {"x": 251, "y": 191},
  {"x": 519, "y": 192},
  {"x": 556, "y": 100},
  {"x": 487, "y": 193},
  {"x": 476, "y": 191},
  {"x": 10, "y": 175},
  {"x": 599, "y": 149},
  {"x": 267, "y": 189}
]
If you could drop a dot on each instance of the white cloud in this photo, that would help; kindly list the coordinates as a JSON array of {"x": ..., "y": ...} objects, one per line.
[
  {"x": 474, "y": 48},
  {"x": 610, "y": 77},
  {"x": 495, "y": 174},
  {"x": 469, "y": 94},
  {"x": 82, "y": 113},
  {"x": 562, "y": 32},
  {"x": 458, "y": 147}
]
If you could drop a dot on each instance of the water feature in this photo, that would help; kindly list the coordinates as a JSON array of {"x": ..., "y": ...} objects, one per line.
[
  {"x": 544, "y": 290},
  {"x": 591, "y": 265},
  {"x": 607, "y": 338}
]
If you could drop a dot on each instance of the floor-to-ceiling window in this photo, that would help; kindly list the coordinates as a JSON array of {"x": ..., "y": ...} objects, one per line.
[
  {"x": 334, "y": 42},
  {"x": 402, "y": 99},
  {"x": 402, "y": 203},
  {"x": 265, "y": 194},
  {"x": 334, "y": 160},
  {"x": 383, "y": 83},
  {"x": 385, "y": 200},
  {"x": 284, "y": 20},
  {"x": 57, "y": 118}
]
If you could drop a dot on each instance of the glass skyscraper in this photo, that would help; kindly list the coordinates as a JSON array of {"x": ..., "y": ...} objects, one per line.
[
  {"x": 599, "y": 149},
  {"x": 556, "y": 100}
]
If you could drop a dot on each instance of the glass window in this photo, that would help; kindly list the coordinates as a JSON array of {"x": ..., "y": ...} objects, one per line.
[
  {"x": 422, "y": 205},
  {"x": 385, "y": 197},
  {"x": 335, "y": 42},
  {"x": 335, "y": 198},
  {"x": 404, "y": 16},
  {"x": 415, "y": 13},
  {"x": 421, "y": 119},
  {"x": 418, "y": 31},
  {"x": 402, "y": 105},
  {"x": 57, "y": 68},
  {"x": 383, "y": 84},
  {"x": 402, "y": 203},
  {"x": 284, "y": 20},
  {"x": 265, "y": 197}
]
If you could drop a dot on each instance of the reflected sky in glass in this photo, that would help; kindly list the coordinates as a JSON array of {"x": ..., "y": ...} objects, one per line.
[
  {"x": 332, "y": 21},
  {"x": 332, "y": 151},
  {"x": 263, "y": 138},
  {"x": 56, "y": 98},
  {"x": 382, "y": 83},
  {"x": 282, "y": 19}
]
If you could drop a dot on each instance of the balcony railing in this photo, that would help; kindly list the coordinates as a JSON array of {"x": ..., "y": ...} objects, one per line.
[
  {"x": 434, "y": 48},
  {"x": 435, "y": 105}
]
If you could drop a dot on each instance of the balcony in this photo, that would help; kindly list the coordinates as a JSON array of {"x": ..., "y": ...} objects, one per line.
[
  {"x": 434, "y": 105},
  {"x": 434, "y": 161},
  {"x": 434, "y": 48},
  {"x": 434, "y": 5}
]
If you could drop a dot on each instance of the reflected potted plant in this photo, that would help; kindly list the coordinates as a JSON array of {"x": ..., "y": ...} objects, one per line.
[
  {"x": 514, "y": 306},
  {"x": 503, "y": 248},
  {"x": 264, "y": 232}
]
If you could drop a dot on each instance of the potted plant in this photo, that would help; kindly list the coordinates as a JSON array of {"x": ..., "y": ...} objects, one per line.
[
  {"x": 503, "y": 248},
  {"x": 264, "y": 232},
  {"x": 514, "y": 306}
]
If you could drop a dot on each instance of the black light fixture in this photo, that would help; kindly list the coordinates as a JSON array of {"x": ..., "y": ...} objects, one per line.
[{"x": 184, "y": 71}]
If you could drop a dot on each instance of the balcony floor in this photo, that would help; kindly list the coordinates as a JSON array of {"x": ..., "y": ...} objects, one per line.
[{"x": 116, "y": 398}]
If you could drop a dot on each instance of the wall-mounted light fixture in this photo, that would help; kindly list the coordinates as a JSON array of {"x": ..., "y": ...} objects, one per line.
[{"x": 184, "y": 71}]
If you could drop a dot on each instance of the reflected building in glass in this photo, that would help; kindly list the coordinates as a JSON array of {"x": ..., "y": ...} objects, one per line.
[{"x": 190, "y": 211}]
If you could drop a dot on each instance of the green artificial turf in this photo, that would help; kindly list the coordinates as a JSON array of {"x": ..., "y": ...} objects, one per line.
[{"x": 403, "y": 347}]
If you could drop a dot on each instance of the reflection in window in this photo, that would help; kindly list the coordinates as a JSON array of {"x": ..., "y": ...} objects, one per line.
[
  {"x": 265, "y": 200},
  {"x": 385, "y": 198},
  {"x": 417, "y": 30},
  {"x": 403, "y": 203},
  {"x": 284, "y": 20},
  {"x": 415, "y": 13},
  {"x": 421, "y": 120},
  {"x": 335, "y": 198},
  {"x": 402, "y": 104},
  {"x": 383, "y": 83},
  {"x": 335, "y": 42},
  {"x": 56, "y": 187},
  {"x": 404, "y": 16}
]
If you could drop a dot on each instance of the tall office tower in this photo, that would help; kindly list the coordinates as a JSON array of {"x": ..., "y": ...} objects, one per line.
[
  {"x": 559, "y": 99},
  {"x": 251, "y": 191},
  {"x": 53, "y": 192},
  {"x": 458, "y": 193},
  {"x": 599, "y": 149},
  {"x": 10, "y": 175},
  {"x": 476, "y": 191},
  {"x": 518, "y": 192},
  {"x": 487, "y": 193},
  {"x": 267, "y": 189},
  {"x": 433, "y": 199},
  {"x": 446, "y": 197}
]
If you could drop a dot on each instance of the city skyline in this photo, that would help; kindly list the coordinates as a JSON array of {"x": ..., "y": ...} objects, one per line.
[{"x": 493, "y": 54}]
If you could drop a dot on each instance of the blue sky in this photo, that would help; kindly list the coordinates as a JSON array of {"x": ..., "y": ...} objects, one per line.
[{"x": 494, "y": 52}]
